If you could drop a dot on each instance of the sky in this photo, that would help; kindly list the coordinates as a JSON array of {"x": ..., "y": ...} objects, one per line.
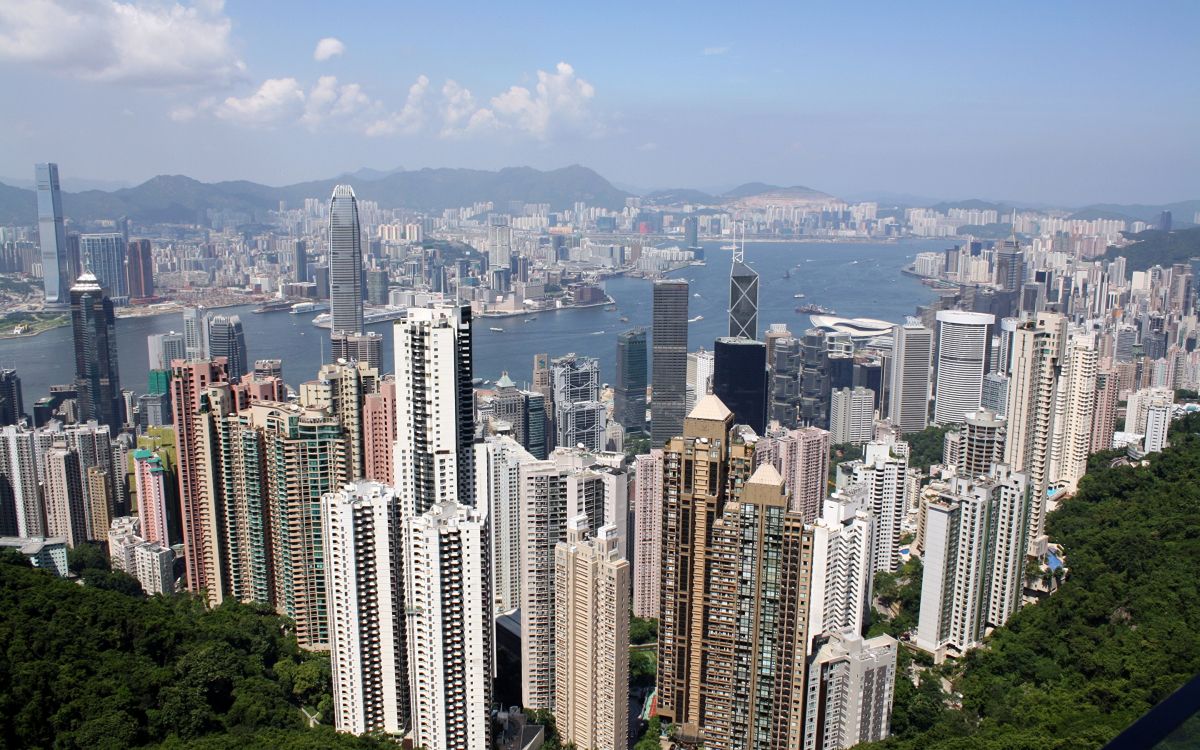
[{"x": 1052, "y": 101}]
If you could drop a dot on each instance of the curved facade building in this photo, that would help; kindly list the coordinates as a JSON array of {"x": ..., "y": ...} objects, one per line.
[
  {"x": 963, "y": 354},
  {"x": 345, "y": 262}
]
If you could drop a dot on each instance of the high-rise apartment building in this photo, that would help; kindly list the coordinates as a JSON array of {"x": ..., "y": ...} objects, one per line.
[
  {"x": 963, "y": 351},
  {"x": 852, "y": 415},
  {"x": 1074, "y": 410},
  {"x": 883, "y": 471},
  {"x": 647, "y": 533},
  {"x": 849, "y": 696},
  {"x": 52, "y": 235},
  {"x": 140, "y": 265},
  {"x": 741, "y": 380},
  {"x": 629, "y": 399},
  {"x": 227, "y": 338},
  {"x": 345, "y": 262},
  {"x": 498, "y": 463},
  {"x": 150, "y": 479},
  {"x": 591, "y": 636},
  {"x": 976, "y": 538},
  {"x": 908, "y": 392},
  {"x": 379, "y": 431},
  {"x": 1104, "y": 413},
  {"x": 435, "y": 423},
  {"x": 448, "y": 602},
  {"x": 363, "y": 586},
  {"x": 342, "y": 389},
  {"x": 669, "y": 361},
  {"x": 801, "y": 456},
  {"x": 981, "y": 441},
  {"x": 580, "y": 418},
  {"x": 20, "y": 492},
  {"x": 66, "y": 507},
  {"x": 94, "y": 328},
  {"x": 103, "y": 255},
  {"x": 842, "y": 561}
]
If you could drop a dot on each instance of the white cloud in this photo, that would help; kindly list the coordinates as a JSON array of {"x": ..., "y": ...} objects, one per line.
[
  {"x": 410, "y": 119},
  {"x": 558, "y": 102},
  {"x": 327, "y": 48},
  {"x": 716, "y": 50},
  {"x": 143, "y": 43},
  {"x": 330, "y": 101},
  {"x": 276, "y": 100}
]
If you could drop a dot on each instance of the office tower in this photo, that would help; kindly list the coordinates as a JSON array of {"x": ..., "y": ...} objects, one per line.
[
  {"x": 524, "y": 412},
  {"x": 195, "y": 333},
  {"x": 1104, "y": 412},
  {"x": 743, "y": 297},
  {"x": 140, "y": 260},
  {"x": 785, "y": 363},
  {"x": 647, "y": 533},
  {"x": 755, "y": 621},
  {"x": 367, "y": 647},
  {"x": 165, "y": 348},
  {"x": 591, "y": 635},
  {"x": 669, "y": 340},
  {"x": 570, "y": 483},
  {"x": 700, "y": 366},
  {"x": 852, "y": 415},
  {"x": 842, "y": 557},
  {"x": 345, "y": 262},
  {"x": 379, "y": 431},
  {"x": 815, "y": 381},
  {"x": 849, "y": 695},
  {"x": 268, "y": 368},
  {"x": 227, "y": 339},
  {"x": 802, "y": 458},
  {"x": 198, "y": 507},
  {"x": 629, "y": 399},
  {"x": 12, "y": 405},
  {"x": 964, "y": 346},
  {"x": 96, "y": 377},
  {"x": 982, "y": 437},
  {"x": 741, "y": 379},
  {"x": 499, "y": 241},
  {"x": 1010, "y": 266},
  {"x": 995, "y": 393},
  {"x": 66, "y": 510},
  {"x": 691, "y": 232},
  {"x": 579, "y": 416},
  {"x": 150, "y": 479},
  {"x": 1037, "y": 354},
  {"x": 701, "y": 468},
  {"x": 53, "y": 236},
  {"x": 20, "y": 491},
  {"x": 912, "y": 355},
  {"x": 300, "y": 261},
  {"x": 974, "y": 556},
  {"x": 498, "y": 463},
  {"x": 884, "y": 472},
  {"x": 776, "y": 332},
  {"x": 357, "y": 347},
  {"x": 450, "y": 631},
  {"x": 104, "y": 256},
  {"x": 1074, "y": 407},
  {"x": 435, "y": 422}
]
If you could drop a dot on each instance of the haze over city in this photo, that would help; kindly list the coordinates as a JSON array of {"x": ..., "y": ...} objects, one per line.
[{"x": 1064, "y": 103}]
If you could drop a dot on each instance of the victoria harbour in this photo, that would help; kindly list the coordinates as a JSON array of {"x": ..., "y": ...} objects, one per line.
[{"x": 854, "y": 279}]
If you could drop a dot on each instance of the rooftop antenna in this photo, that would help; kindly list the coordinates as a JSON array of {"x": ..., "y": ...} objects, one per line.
[{"x": 739, "y": 251}]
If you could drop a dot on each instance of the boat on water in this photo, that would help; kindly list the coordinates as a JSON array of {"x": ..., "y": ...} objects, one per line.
[
  {"x": 696, "y": 319},
  {"x": 274, "y": 306},
  {"x": 697, "y": 294},
  {"x": 730, "y": 247},
  {"x": 497, "y": 330},
  {"x": 529, "y": 320},
  {"x": 610, "y": 308},
  {"x": 787, "y": 274},
  {"x": 624, "y": 319},
  {"x": 815, "y": 310},
  {"x": 798, "y": 296},
  {"x": 301, "y": 308}
]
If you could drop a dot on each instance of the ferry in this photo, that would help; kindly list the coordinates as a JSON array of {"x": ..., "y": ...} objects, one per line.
[
  {"x": 815, "y": 309},
  {"x": 300, "y": 308},
  {"x": 798, "y": 296},
  {"x": 274, "y": 306},
  {"x": 696, "y": 319},
  {"x": 497, "y": 330},
  {"x": 624, "y": 319}
]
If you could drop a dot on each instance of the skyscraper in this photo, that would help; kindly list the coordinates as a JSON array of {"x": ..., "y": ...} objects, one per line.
[
  {"x": 647, "y": 533},
  {"x": 842, "y": 557},
  {"x": 849, "y": 696},
  {"x": 629, "y": 400},
  {"x": 1010, "y": 266},
  {"x": 743, "y": 297},
  {"x": 883, "y": 471},
  {"x": 802, "y": 458},
  {"x": 12, "y": 404},
  {"x": 448, "y": 601},
  {"x": 300, "y": 260},
  {"x": 227, "y": 339},
  {"x": 97, "y": 380},
  {"x": 668, "y": 380},
  {"x": 150, "y": 478},
  {"x": 165, "y": 348},
  {"x": 52, "y": 236},
  {"x": 740, "y": 379},
  {"x": 591, "y": 635},
  {"x": 357, "y": 347},
  {"x": 345, "y": 262},
  {"x": 363, "y": 583},
  {"x": 195, "y": 333},
  {"x": 852, "y": 415},
  {"x": 20, "y": 490},
  {"x": 964, "y": 347},
  {"x": 140, "y": 260},
  {"x": 700, "y": 366},
  {"x": 104, "y": 256},
  {"x": 66, "y": 508},
  {"x": 498, "y": 464},
  {"x": 912, "y": 355},
  {"x": 435, "y": 420},
  {"x": 579, "y": 417}
]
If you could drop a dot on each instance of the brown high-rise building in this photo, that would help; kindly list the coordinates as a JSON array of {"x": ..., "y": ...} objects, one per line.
[{"x": 140, "y": 265}]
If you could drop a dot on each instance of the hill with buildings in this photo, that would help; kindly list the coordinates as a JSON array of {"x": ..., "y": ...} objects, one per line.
[{"x": 1155, "y": 248}]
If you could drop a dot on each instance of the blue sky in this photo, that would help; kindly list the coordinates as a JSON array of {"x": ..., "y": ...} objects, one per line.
[{"x": 1063, "y": 102}]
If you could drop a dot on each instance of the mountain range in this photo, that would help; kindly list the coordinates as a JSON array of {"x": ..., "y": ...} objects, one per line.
[{"x": 183, "y": 200}]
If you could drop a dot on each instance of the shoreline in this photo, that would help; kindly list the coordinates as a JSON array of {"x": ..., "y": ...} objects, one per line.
[{"x": 178, "y": 311}]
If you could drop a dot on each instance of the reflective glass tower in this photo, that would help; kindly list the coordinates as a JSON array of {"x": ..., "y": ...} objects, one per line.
[
  {"x": 53, "y": 236},
  {"x": 669, "y": 373},
  {"x": 743, "y": 297},
  {"x": 96, "y": 377},
  {"x": 345, "y": 262},
  {"x": 629, "y": 406}
]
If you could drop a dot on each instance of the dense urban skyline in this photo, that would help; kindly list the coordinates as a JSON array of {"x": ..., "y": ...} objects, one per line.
[{"x": 942, "y": 100}]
